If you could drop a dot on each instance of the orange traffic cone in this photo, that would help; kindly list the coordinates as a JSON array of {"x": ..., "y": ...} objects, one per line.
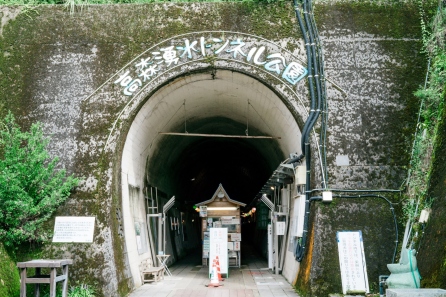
[
  {"x": 214, "y": 278},
  {"x": 217, "y": 265}
]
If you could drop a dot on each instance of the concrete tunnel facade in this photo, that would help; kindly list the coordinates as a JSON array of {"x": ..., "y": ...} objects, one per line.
[
  {"x": 226, "y": 102},
  {"x": 78, "y": 76},
  {"x": 231, "y": 95}
]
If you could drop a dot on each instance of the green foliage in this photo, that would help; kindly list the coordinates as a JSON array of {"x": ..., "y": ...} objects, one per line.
[
  {"x": 435, "y": 44},
  {"x": 79, "y": 4},
  {"x": 30, "y": 2},
  {"x": 81, "y": 290},
  {"x": 9, "y": 275},
  {"x": 432, "y": 97},
  {"x": 31, "y": 187}
]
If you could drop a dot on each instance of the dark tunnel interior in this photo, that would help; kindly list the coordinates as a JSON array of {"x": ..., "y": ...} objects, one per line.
[{"x": 191, "y": 168}]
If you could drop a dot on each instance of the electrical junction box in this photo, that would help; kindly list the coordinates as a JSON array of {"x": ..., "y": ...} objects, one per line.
[
  {"x": 298, "y": 216},
  {"x": 327, "y": 196},
  {"x": 300, "y": 175}
]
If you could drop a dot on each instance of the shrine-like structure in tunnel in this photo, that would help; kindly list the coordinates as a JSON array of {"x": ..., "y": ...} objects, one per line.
[{"x": 150, "y": 102}]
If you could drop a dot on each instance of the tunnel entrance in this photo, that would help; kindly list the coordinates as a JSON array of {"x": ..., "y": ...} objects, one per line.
[
  {"x": 216, "y": 118},
  {"x": 193, "y": 167}
]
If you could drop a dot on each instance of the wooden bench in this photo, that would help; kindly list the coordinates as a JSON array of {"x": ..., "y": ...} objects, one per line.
[{"x": 150, "y": 273}]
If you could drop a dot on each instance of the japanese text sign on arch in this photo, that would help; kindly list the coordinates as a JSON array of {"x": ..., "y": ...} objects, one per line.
[
  {"x": 191, "y": 47},
  {"x": 352, "y": 262},
  {"x": 74, "y": 229}
]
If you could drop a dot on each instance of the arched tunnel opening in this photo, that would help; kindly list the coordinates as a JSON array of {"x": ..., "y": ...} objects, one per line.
[
  {"x": 193, "y": 167},
  {"x": 192, "y": 135}
]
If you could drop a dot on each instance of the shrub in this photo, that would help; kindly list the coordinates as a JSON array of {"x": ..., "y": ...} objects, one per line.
[
  {"x": 31, "y": 187},
  {"x": 81, "y": 290}
]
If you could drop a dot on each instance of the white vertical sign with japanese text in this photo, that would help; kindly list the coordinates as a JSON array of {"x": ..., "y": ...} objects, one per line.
[
  {"x": 270, "y": 246},
  {"x": 352, "y": 261},
  {"x": 218, "y": 248}
]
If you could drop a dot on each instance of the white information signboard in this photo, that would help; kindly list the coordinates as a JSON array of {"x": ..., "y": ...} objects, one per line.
[
  {"x": 236, "y": 245},
  {"x": 203, "y": 211},
  {"x": 352, "y": 261},
  {"x": 206, "y": 245},
  {"x": 226, "y": 221},
  {"x": 218, "y": 248},
  {"x": 270, "y": 246},
  {"x": 236, "y": 236},
  {"x": 73, "y": 229},
  {"x": 280, "y": 228}
]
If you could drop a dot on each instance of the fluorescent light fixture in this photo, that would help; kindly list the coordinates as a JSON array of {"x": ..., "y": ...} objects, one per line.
[
  {"x": 223, "y": 208},
  {"x": 169, "y": 204},
  {"x": 267, "y": 202}
]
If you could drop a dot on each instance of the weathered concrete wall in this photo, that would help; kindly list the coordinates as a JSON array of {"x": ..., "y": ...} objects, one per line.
[
  {"x": 51, "y": 62},
  {"x": 372, "y": 54}
]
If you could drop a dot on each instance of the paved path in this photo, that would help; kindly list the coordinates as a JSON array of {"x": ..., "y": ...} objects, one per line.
[{"x": 188, "y": 279}]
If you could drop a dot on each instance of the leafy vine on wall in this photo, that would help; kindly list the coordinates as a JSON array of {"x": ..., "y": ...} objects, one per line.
[{"x": 432, "y": 97}]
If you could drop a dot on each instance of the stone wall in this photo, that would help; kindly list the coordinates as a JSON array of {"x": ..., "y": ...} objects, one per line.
[
  {"x": 373, "y": 65},
  {"x": 51, "y": 63}
]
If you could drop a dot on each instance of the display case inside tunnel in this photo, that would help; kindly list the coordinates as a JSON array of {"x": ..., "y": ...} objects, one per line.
[{"x": 221, "y": 212}]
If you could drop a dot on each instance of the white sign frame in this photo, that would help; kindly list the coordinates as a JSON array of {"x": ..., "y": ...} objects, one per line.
[
  {"x": 352, "y": 261},
  {"x": 270, "y": 247},
  {"x": 236, "y": 236},
  {"x": 218, "y": 247},
  {"x": 280, "y": 228},
  {"x": 74, "y": 229},
  {"x": 236, "y": 246},
  {"x": 203, "y": 211}
]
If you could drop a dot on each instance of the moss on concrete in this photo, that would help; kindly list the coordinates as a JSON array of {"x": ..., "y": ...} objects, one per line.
[
  {"x": 120, "y": 32},
  {"x": 393, "y": 24},
  {"x": 9, "y": 275},
  {"x": 432, "y": 251}
]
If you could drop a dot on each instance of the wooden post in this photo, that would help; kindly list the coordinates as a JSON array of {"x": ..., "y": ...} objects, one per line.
[
  {"x": 53, "y": 282},
  {"x": 23, "y": 282},
  {"x": 65, "y": 282}
]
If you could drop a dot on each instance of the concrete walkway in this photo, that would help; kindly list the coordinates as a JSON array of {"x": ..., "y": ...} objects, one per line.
[{"x": 188, "y": 279}]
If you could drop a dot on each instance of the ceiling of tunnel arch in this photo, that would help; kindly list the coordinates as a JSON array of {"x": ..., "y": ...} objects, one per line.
[
  {"x": 195, "y": 166},
  {"x": 192, "y": 167}
]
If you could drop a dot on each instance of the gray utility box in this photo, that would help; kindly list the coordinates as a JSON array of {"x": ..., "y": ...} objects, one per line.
[{"x": 415, "y": 293}]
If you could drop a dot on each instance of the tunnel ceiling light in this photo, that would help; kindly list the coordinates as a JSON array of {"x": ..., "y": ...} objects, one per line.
[
  {"x": 223, "y": 208},
  {"x": 219, "y": 135}
]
